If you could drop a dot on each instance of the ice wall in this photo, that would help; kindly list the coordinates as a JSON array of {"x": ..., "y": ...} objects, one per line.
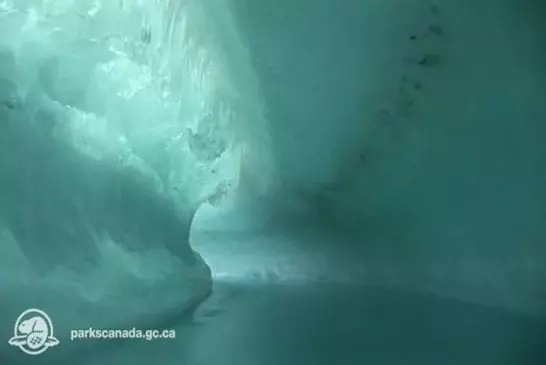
[
  {"x": 117, "y": 120},
  {"x": 417, "y": 130}
]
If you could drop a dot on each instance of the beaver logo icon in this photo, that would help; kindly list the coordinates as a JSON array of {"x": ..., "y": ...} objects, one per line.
[{"x": 33, "y": 332}]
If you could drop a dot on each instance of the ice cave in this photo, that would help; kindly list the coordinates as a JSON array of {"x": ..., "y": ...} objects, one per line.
[{"x": 278, "y": 182}]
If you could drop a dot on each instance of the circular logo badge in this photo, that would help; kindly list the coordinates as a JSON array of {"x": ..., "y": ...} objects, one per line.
[{"x": 33, "y": 332}]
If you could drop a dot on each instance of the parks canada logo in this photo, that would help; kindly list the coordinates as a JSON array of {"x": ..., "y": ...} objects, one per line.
[{"x": 33, "y": 332}]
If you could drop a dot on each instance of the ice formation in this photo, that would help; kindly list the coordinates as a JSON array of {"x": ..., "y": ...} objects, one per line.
[
  {"x": 392, "y": 125},
  {"x": 117, "y": 120},
  {"x": 414, "y": 130}
]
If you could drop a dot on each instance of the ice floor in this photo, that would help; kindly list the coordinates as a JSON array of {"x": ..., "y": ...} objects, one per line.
[
  {"x": 273, "y": 306},
  {"x": 248, "y": 324},
  {"x": 274, "y": 302}
]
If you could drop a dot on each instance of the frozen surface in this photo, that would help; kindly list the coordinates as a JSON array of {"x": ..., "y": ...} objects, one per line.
[
  {"x": 307, "y": 254},
  {"x": 399, "y": 217},
  {"x": 247, "y": 324},
  {"x": 415, "y": 131}
]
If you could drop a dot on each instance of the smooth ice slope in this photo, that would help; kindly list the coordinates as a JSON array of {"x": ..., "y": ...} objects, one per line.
[
  {"x": 417, "y": 130},
  {"x": 117, "y": 120}
]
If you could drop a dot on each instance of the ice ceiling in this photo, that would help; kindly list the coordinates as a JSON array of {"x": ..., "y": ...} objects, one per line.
[{"x": 388, "y": 124}]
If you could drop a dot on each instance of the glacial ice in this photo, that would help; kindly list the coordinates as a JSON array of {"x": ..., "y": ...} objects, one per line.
[
  {"x": 118, "y": 119},
  {"x": 414, "y": 131}
]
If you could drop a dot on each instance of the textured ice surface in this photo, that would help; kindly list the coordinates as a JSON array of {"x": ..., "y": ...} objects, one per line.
[
  {"x": 416, "y": 129},
  {"x": 322, "y": 324},
  {"x": 392, "y": 123},
  {"x": 117, "y": 120}
]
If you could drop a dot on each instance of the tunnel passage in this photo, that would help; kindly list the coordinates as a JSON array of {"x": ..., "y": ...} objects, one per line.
[
  {"x": 409, "y": 141},
  {"x": 393, "y": 144}
]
